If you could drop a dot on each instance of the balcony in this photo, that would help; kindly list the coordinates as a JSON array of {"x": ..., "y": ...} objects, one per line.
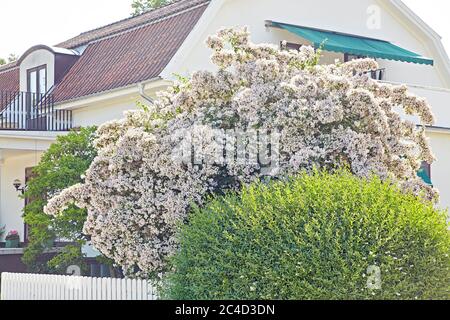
[{"x": 27, "y": 111}]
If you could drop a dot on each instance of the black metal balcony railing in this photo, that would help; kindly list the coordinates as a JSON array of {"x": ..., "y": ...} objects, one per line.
[{"x": 32, "y": 112}]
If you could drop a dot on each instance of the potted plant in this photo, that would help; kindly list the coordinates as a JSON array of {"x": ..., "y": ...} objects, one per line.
[{"x": 12, "y": 239}]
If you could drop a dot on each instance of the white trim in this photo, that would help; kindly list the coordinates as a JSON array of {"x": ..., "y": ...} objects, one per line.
[
  {"x": 438, "y": 89},
  {"x": 32, "y": 135},
  {"x": 20, "y": 251},
  {"x": 192, "y": 39},
  {"x": 437, "y": 46},
  {"x": 432, "y": 129},
  {"x": 111, "y": 94},
  {"x": 12, "y": 251}
]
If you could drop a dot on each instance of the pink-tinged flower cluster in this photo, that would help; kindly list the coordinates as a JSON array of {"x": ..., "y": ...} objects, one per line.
[{"x": 327, "y": 115}]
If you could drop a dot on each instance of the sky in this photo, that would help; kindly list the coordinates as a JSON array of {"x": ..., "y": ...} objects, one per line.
[{"x": 24, "y": 23}]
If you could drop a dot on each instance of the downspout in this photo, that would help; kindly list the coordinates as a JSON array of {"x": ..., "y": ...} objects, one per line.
[{"x": 142, "y": 93}]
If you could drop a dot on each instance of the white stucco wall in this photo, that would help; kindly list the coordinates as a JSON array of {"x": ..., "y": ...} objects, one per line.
[
  {"x": 349, "y": 17},
  {"x": 35, "y": 59},
  {"x": 98, "y": 114},
  {"x": 10, "y": 205},
  {"x": 440, "y": 170},
  {"x": 439, "y": 100},
  {"x": 111, "y": 106}
]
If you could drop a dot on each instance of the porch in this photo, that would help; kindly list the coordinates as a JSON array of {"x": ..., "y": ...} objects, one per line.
[{"x": 20, "y": 151}]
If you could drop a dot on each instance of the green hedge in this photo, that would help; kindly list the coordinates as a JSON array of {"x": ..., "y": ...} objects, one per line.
[{"x": 313, "y": 237}]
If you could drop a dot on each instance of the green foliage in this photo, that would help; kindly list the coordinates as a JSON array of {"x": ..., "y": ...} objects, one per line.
[
  {"x": 313, "y": 237},
  {"x": 141, "y": 6},
  {"x": 69, "y": 255},
  {"x": 60, "y": 167},
  {"x": 11, "y": 58}
]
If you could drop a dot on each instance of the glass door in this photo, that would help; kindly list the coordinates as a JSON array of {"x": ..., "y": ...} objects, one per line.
[
  {"x": 37, "y": 81},
  {"x": 37, "y": 88}
]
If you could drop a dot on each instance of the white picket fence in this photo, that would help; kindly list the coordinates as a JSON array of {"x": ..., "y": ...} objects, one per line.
[{"x": 16, "y": 286}]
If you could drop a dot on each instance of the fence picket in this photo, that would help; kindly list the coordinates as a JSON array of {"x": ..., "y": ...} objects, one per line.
[{"x": 54, "y": 287}]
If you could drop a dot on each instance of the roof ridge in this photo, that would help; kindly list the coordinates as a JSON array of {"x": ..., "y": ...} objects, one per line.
[
  {"x": 149, "y": 22},
  {"x": 9, "y": 66},
  {"x": 132, "y": 56},
  {"x": 131, "y": 17},
  {"x": 189, "y": 4}
]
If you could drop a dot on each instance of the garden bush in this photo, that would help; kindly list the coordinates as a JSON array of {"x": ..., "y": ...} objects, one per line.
[
  {"x": 265, "y": 103},
  {"x": 61, "y": 166},
  {"x": 317, "y": 236}
]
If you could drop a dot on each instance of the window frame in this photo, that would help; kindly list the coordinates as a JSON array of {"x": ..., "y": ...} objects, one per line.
[{"x": 38, "y": 85}]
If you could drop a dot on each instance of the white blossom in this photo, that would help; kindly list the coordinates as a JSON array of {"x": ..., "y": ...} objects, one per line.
[{"x": 328, "y": 116}]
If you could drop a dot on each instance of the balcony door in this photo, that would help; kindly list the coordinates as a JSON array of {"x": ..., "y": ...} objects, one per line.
[
  {"x": 37, "y": 80},
  {"x": 37, "y": 88}
]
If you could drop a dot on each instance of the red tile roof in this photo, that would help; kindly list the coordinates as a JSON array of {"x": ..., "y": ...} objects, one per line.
[
  {"x": 123, "y": 53},
  {"x": 128, "y": 58},
  {"x": 8, "y": 66},
  {"x": 9, "y": 80},
  {"x": 132, "y": 22},
  {"x": 9, "y": 83}
]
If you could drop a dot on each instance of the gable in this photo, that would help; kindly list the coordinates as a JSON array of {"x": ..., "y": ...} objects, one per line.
[
  {"x": 424, "y": 33},
  {"x": 351, "y": 16}
]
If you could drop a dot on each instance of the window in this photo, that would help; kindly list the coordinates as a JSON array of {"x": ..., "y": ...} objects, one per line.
[{"x": 37, "y": 80}]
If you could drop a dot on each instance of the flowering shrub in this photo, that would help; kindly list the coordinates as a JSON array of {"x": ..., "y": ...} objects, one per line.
[
  {"x": 317, "y": 236},
  {"x": 137, "y": 190}
]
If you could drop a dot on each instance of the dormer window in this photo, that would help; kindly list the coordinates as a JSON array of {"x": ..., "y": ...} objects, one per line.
[{"x": 37, "y": 80}]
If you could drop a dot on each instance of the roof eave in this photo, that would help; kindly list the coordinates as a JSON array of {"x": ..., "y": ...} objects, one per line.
[
  {"x": 429, "y": 33},
  {"x": 116, "y": 93}
]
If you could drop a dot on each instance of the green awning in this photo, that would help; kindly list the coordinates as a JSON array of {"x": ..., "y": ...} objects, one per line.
[
  {"x": 422, "y": 173},
  {"x": 352, "y": 44}
]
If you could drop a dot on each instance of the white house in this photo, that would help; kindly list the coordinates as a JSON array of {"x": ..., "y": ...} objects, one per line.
[{"x": 99, "y": 74}]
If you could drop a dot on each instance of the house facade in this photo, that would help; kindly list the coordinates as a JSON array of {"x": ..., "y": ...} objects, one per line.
[{"x": 96, "y": 76}]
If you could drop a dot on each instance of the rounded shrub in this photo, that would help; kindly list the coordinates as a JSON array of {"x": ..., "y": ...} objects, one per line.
[{"x": 317, "y": 236}]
